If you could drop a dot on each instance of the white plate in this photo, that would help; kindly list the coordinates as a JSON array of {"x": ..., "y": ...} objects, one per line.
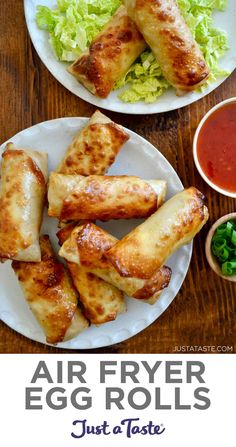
[
  {"x": 136, "y": 157},
  {"x": 169, "y": 101}
]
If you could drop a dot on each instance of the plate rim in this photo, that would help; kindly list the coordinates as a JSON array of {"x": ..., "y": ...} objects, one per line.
[{"x": 188, "y": 248}]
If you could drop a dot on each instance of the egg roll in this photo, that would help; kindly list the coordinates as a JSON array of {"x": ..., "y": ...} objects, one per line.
[
  {"x": 50, "y": 294},
  {"x": 73, "y": 197},
  {"x": 86, "y": 247},
  {"x": 171, "y": 41},
  {"x": 94, "y": 148},
  {"x": 23, "y": 175},
  {"x": 110, "y": 55},
  {"x": 149, "y": 245},
  {"x": 101, "y": 301}
]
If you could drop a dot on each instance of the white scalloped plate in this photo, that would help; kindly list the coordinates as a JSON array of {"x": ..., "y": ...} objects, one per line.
[
  {"x": 169, "y": 101},
  {"x": 136, "y": 157}
]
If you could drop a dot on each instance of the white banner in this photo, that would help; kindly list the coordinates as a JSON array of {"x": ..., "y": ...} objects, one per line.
[{"x": 79, "y": 400}]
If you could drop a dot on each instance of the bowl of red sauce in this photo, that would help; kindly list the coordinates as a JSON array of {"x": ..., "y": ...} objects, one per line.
[{"x": 214, "y": 147}]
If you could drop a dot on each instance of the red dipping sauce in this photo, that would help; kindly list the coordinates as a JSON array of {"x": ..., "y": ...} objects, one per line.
[{"x": 216, "y": 147}]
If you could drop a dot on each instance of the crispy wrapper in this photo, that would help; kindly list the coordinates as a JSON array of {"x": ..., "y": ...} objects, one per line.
[
  {"x": 94, "y": 148},
  {"x": 148, "y": 246},
  {"x": 100, "y": 197},
  {"x": 51, "y": 296},
  {"x": 110, "y": 55},
  {"x": 86, "y": 247},
  {"x": 22, "y": 195},
  {"x": 101, "y": 301},
  {"x": 171, "y": 41}
]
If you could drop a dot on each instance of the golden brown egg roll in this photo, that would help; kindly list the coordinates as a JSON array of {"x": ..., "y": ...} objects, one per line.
[
  {"x": 94, "y": 148},
  {"x": 50, "y": 294},
  {"x": 93, "y": 151},
  {"x": 169, "y": 37},
  {"x": 86, "y": 247},
  {"x": 22, "y": 194},
  {"x": 101, "y": 301},
  {"x": 73, "y": 197},
  {"x": 148, "y": 246},
  {"x": 110, "y": 55}
]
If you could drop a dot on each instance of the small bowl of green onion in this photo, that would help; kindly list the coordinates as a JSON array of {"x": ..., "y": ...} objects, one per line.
[{"x": 221, "y": 247}]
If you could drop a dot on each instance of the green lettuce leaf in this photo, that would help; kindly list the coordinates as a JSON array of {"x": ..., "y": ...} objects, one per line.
[{"x": 73, "y": 24}]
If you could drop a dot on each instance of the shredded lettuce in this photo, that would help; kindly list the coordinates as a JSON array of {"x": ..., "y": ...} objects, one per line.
[
  {"x": 74, "y": 23},
  {"x": 144, "y": 80}
]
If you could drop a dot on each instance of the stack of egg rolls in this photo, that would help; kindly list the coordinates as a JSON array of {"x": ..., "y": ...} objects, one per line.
[
  {"x": 136, "y": 263},
  {"x": 100, "y": 268},
  {"x": 87, "y": 245},
  {"x": 91, "y": 153},
  {"x": 49, "y": 291}
]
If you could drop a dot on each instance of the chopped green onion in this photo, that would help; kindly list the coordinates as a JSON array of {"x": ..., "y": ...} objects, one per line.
[
  {"x": 224, "y": 255},
  {"x": 223, "y": 246},
  {"x": 229, "y": 228},
  {"x": 221, "y": 229},
  {"x": 233, "y": 238},
  {"x": 229, "y": 268}
]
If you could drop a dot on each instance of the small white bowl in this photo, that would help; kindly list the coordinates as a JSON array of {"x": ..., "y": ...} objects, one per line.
[
  {"x": 198, "y": 166},
  {"x": 209, "y": 255}
]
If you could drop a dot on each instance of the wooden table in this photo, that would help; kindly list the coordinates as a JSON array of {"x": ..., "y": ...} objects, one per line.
[{"x": 204, "y": 311}]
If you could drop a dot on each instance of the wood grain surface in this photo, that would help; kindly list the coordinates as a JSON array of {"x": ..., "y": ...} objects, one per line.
[{"x": 204, "y": 311}]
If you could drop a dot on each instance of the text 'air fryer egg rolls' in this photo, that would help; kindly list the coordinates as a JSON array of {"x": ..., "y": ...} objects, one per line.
[
  {"x": 110, "y": 55},
  {"x": 73, "y": 197},
  {"x": 94, "y": 148},
  {"x": 148, "y": 246},
  {"x": 86, "y": 247},
  {"x": 22, "y": 194},
  {"x": 50, "y": 294},
  {"x": 101, "y": 301},
  {"x": 169, "y": 37}
]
